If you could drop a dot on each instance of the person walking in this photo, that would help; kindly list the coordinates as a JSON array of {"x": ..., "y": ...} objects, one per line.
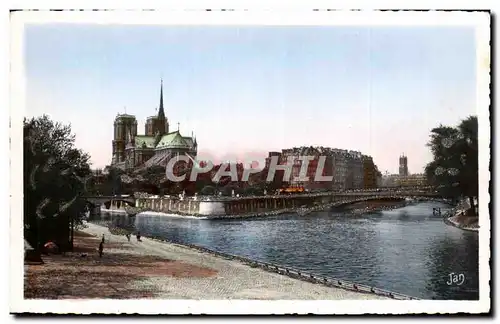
[
  {"x": 128, "y": 236},
  {"x": 138, "y": 236},
  {"x": 101, "y": 248}
]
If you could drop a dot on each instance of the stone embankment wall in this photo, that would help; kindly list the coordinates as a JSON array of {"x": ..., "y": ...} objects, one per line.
[
  {"x": 224, "y": 207},
  {"x": 457, "y": 217},
  {"x": 213, "y": 207},
  {"x": 171, "y": 205}
]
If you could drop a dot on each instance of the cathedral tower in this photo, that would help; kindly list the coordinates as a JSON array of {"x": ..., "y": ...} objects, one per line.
[
  {"x": 123, "y": 125},
  {"x": 161, "y": 126}
]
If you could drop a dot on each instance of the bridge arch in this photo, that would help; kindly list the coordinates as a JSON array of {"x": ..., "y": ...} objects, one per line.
[
  {"x": 397, "y": 197},
  {"x": 352, "y": 200},
  {"x": 106, "y": 201}
]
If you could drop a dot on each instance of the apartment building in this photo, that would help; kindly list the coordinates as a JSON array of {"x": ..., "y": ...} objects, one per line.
[{"x": 347, "y": 168}]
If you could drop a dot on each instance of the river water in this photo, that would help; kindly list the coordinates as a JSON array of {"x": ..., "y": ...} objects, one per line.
[{"x": 406, "y": 250}]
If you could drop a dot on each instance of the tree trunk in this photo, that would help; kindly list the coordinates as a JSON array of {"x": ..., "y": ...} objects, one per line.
[
  {"x": 472, "y": 205},
  {"x": 38, "y": 246},
  {"x": 71, "y": 233}
]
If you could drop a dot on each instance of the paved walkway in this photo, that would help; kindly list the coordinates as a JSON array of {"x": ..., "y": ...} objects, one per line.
[{"x": 233, "y": 280}]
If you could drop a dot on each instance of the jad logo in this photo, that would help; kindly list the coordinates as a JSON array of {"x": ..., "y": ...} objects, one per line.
[{"x": 251, "y": 166}]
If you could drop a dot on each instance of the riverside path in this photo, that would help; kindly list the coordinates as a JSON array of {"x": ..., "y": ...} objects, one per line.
[{"x": 232, "y": 279}]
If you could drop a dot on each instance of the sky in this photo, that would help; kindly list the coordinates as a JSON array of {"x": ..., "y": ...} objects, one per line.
[{"x": 253, "y": 89}]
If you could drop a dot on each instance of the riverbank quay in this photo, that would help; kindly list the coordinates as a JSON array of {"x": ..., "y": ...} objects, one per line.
[
  {"x": 466, "y": 223},
  {"x": 159, "y": 270},
  {"x": 300, "y": 210},
  {"x": 375, "y": 207},
  {"x": 115, "y": 211},
  {"x": 252, "y": 279},
  {"x": 457, "y": 217}
]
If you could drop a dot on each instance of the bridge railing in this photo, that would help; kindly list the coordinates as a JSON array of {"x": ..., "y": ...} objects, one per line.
[{"x": 399, "y": 193}]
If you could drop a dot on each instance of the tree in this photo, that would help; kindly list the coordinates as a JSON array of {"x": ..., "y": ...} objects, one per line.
[
  {"x": 454, "y": 168},
  {"x": 208, "y": 191},
  {"x": 254, "y": 191},
  {"x": 55, "y": 177},
  {"x": 154, "y": 176},
  {"x": 203, "y": 180},
  {"x": 469, "y": 175},
  {"x": 228, "y": 189},
  {"x": 111, "y": 182}
]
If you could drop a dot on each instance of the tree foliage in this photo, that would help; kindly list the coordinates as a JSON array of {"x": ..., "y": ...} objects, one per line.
[
  {"x": 55, "y": 177},
  {"x": 454, "y": 168},
  {"x": 208, "y": 190}
]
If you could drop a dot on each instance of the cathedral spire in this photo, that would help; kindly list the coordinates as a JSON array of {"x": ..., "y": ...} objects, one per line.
[{"x": 161, "y": 112}]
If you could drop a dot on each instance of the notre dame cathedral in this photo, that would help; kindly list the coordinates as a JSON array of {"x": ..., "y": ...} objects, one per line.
[{"x": 155, "y": 147}]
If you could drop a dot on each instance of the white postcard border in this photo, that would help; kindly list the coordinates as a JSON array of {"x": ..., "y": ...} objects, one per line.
[{"x": 479, "y": 20}]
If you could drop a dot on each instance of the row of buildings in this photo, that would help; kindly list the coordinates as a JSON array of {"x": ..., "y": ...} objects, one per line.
[
  {"x": 158, "y": 144},
  {"x": 348, "y": 169},
  {"x": 410, "y": 180}
]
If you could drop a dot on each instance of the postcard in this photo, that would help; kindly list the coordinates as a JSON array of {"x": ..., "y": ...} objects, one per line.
[{"x": 250, "y": 162}]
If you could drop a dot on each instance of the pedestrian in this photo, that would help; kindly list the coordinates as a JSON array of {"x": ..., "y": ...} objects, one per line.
[
  {"x": 138, "y": 236},
  {"x": 102, "y": 238},
  {"x": 101, "y": 248},
  {"x": 128, "y": 236}
]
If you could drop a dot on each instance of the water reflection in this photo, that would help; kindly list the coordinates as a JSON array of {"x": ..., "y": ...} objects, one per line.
[
  {"x": 447, "y": 255},
  {"x": 407, "y": 250}
]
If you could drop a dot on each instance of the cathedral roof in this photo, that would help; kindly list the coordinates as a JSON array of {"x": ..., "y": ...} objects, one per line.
[
  {"x": 170, "y": 140},
  {"x": 143, "y": 140},
  {"x": 188, "y": 140},
  {"x": 173, "y": 140}
]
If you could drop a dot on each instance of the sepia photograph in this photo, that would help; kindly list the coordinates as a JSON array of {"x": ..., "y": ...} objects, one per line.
[{"x": 169, "y": 162}]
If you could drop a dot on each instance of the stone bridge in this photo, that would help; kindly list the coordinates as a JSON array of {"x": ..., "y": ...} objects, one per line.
[
  {"x": 237, "y": 205},
  {"x": 209, "y": 205},
  {"x": 338, "y": 196},
  {"x": 107, "y": 200},
  {"x": 346, "y": 200}
]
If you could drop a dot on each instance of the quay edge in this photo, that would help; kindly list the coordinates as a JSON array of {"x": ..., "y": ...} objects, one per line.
[
  {"x": 297, "y": 274},
  {"x": 96, "y": 229}
]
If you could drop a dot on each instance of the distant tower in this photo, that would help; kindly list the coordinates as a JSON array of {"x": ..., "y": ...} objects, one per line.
[{"x": 403, "y": 166}]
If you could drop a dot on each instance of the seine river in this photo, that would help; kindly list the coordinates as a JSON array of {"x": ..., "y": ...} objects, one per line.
[{"x": 406, "y": 250}]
